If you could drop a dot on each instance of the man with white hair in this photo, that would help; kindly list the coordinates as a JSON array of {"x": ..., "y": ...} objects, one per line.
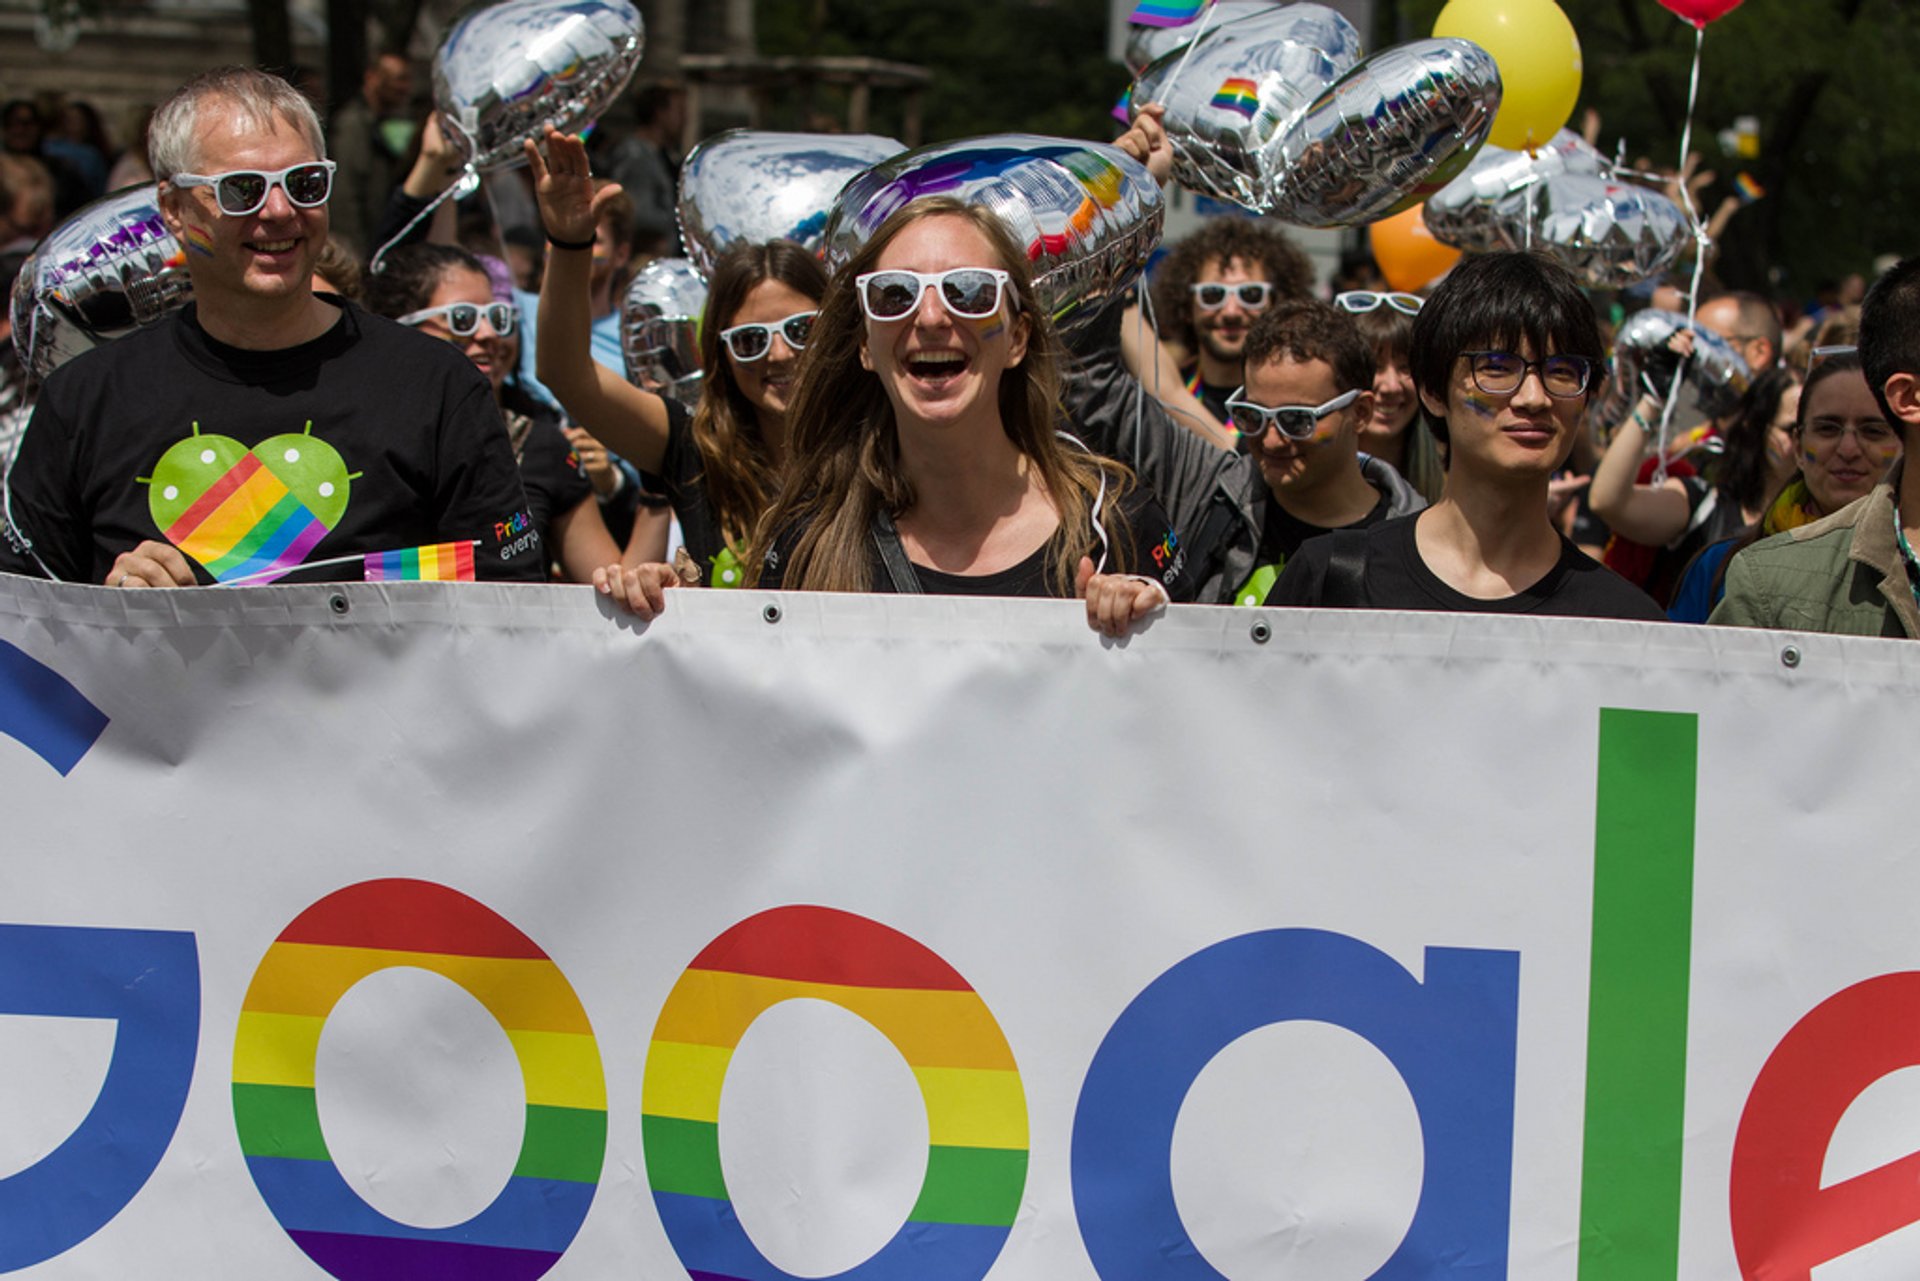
[{"x": 263, "y": 431}]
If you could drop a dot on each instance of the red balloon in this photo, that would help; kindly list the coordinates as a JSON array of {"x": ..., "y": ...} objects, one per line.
[{"x": 1701, "y": 12}]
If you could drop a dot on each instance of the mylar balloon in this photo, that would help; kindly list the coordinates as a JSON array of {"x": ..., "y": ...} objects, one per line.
[
  {"x": 507, "y": 70},
  {"x": 107, "y": 270},
  {"x": 660, "y": 329},
  {"x": 1406, "y": 252},
  {"x": 750, "y": 185},
  {"x": 1701, "y": 12},
  {"x": 1610, "y": 234},
  {"x": 1715, "y": 377},
  {"x": 1239, "y": 88},
  {"x": 1539, "y": 57},
  {"x": 1088, "y": 214},
  {"x": 1462, "y": 213},
  {"x": 1147, "y": 44},
  {"x": 1388, "y": 134}
]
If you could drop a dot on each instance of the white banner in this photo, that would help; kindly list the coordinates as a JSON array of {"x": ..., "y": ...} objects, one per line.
[{"x": 471, "y": 932}]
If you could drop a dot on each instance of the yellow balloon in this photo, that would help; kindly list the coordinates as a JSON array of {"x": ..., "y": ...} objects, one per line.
[{"x": 1538, "y": 54}]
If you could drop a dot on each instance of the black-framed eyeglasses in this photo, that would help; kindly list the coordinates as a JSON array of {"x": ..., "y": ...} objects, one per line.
[
  {"x": 1295, "y": 422},
  {"x": 463, "y": 318},
  {"x": 1500, "y": 373},
  {"x": 1252, "y": 294},
  {"x": 972, "y": 292},
  {"x": 751, "y": 342},
  {"x": 1361, "y": 301},
  {"x": 240, "y": 192}
]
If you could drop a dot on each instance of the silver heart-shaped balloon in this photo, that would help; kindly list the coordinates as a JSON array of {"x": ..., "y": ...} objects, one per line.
[
  {"x": 660, "y": 329},
  {"x": 1089, "y": 214},
  {"x": 1461, "y": 214},
  {"x": 1236, "y": 91},
  {"x": 1610, "y": 234},
  {"x": 507, "y": 70},
  {"x": 1147, "y": 44},
  {"x": 1715, "y": 377},
  {"x": 108, "y": 269},
  {"x": 754, "y": 186},
  {"x": 1387, "y": 135}
]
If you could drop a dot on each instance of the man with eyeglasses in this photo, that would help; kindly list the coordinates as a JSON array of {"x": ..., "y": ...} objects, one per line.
[
  {"x": 1212, "y": 287},
  {"x": 1506, "y": 355},
  {"x": 1854, "y": 572},
  {"x": 263, "y": 431}
]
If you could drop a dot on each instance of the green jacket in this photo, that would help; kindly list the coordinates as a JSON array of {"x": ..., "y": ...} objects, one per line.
[{"x": 1841, "y": 574}]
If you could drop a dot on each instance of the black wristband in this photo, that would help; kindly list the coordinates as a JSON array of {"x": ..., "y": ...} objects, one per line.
[{"x": 558, "y": 243}]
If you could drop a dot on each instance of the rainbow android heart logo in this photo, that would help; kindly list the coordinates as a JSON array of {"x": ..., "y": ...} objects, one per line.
[{"x": 248, "y": 513}]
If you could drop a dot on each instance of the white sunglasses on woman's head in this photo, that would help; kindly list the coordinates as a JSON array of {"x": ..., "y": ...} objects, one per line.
[
  {"x": 749, "y": 342},
  {"x": 463, "y": 318},
  {"x": 972, "y": 292},
  {"x": 1362, "y": 301}
]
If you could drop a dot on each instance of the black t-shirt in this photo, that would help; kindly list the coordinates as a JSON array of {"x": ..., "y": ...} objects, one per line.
[
  {"x": 1394, "y": 577},
  {"x": 1281, "y": 535},
  {"x": 682, "y": 478},
  {"x": 549, "y": 469},
  {"x": 1153, "y": 551},
  {"x": 370, "y": 438}
]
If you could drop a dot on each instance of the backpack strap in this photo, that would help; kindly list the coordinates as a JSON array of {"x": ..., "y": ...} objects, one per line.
[
  {"x": 893, "y": 554},
  {"x": 1344, "y": 586},
  {"x": 1208, "y": 539}
]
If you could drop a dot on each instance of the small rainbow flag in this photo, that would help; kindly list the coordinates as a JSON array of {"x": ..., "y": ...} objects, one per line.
[
  {"x": 435, "y": 563},
  {"x": 1240, "y": 96},
  {"x": 1749, "y": 188},
  {"x": 1167, "y": 13}
]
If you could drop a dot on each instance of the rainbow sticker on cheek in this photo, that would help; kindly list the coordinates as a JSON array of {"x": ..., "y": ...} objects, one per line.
[
  {"x": 198, "y": 241},
  {"x": 991, "y": 327},
  {"x": 976, "y": 1105}
]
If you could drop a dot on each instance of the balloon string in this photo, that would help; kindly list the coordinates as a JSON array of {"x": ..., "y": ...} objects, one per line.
[
  {"x": 1701, "y": 243},
  {"x": 1206, "y": 21},
  {"x": 378, "y": 263}
]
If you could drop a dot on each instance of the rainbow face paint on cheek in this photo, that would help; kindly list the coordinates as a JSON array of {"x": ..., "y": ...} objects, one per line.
[
  {"x": 198, "y": 241},
  {"x": 988, "y": 328}
]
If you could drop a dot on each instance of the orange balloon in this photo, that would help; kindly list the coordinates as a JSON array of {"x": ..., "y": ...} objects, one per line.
[{"x": 1408, "y": 255}]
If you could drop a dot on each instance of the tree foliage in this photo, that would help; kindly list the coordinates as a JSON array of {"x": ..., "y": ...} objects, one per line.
[{"x": 1832, "y": 83}]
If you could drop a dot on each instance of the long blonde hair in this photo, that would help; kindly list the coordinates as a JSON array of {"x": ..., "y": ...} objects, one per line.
[{"x": 843, "y": 443}]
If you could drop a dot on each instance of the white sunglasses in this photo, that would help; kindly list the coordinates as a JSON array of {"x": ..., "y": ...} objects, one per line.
[
  {"x": 1296, "y": 422},
  {"x": 240, "y": 192},
  {"x": 748, "y": 343},
  {"x": 1361, "y": 301},
  {"x": 972, "y": 292},
  {"x": 463, "y": 318}
]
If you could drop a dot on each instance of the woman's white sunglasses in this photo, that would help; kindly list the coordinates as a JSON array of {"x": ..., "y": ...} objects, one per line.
[{"x": 972, "y": 292}]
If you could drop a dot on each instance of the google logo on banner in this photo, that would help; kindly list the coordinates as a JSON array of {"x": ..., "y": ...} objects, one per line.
[
  {"x": 976, "y": 1110},
  {"x": 1451, "y": 1035},
  {"x": 325, "y": 951}
]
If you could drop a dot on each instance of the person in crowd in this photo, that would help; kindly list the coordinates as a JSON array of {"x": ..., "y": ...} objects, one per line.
[
  {"x": 1853, "y": 570},
  {"x": 1506, "y": 354},
  {"x": 925, "y": 439},
  {"x": 1397, "y": 434},
  {"x": 1209, "y": 290},
  {"x": 78, "y": 137},
  {"x": 1686, "y": 511},
  {"x": 367, "y": 150},
  {"x": 447, "y": 293},
  {"x": 23, "y": 133},
  {"x": 337, "y": 271},
  {"x": 721, "y": 466},
  {"x": 1749, "y": 323},
  {"x": 130, "y": 167},
  {"x": 646, "y": 164},
  {"x": 1827, "y": 467},
  {"x": 609, "y": 268},
  {"x": 26, "y": 203},
  {"x": 262, "y": 430}
]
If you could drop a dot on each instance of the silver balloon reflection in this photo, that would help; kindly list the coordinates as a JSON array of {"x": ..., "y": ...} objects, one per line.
[
  {"x": 1239, "y": 88},
  {"x": 507, "y": 70},
  {"x": 1390, "y": 133},
  {"x": 1088, "y": 214},
  {"x": 1461, "y": 213},
  {"x": 754, "y": 186},
  {"x": 1565, "y": 202},
  {"x": 660, "y": 329},
  {"x": 1147, "y": 44},
  {"x": 1715, "y": 376},
  {"x": 107, "y": 270}
]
